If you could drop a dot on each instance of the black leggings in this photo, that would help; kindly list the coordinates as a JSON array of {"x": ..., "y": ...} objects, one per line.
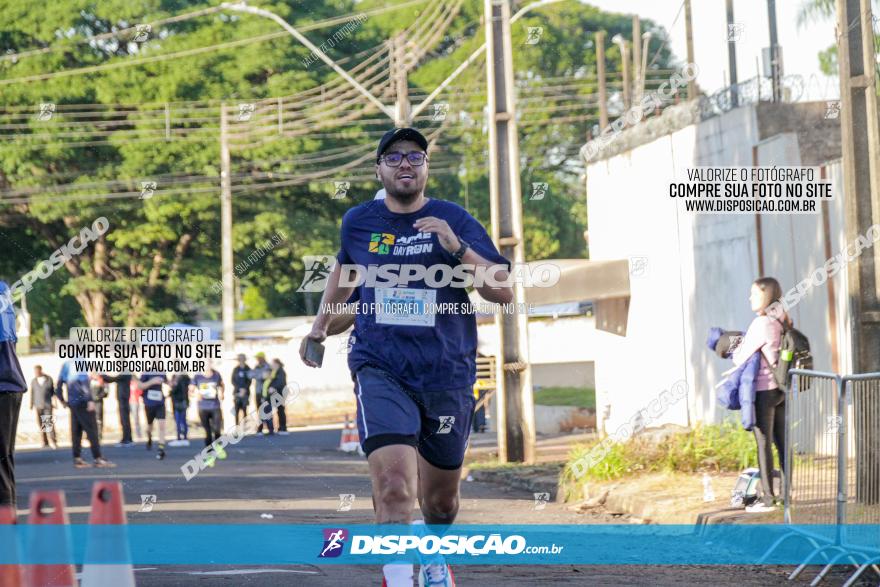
[
  {"x": 769, "y": 430},
  {"x": 10, "y": 406},
  {"x": 210, "y": 419},
  {"x": 82, "y": 420}
]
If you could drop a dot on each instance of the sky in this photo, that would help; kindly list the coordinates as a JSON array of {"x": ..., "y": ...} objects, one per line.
[{"x": 800, "y": 45}]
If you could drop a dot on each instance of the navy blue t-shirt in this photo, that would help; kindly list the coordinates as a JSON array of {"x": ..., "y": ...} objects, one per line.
[
  {"x": 11, "y": 377},
  {"x": 208, "y": 389},
  {"x": 153, "y": 395},
  {"x": 421, "y": 355}
]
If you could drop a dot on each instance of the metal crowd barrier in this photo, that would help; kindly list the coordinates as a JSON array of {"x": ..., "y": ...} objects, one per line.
[
  {"x": 860, "y": 469},
  {"x": 811, "y": 447},
  {"x": 832, "y": 470}
]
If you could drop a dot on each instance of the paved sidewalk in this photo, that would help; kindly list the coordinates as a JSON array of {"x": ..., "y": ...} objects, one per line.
[{"x": 550, "y": 449}]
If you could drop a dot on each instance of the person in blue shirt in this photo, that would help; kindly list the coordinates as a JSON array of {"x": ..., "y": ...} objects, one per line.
[
  {"x": 82, "y": 413},
  {"x": 154, "y": 405},
  {"x": 208, "y": 387},
  {"x": 414, "y": 369},
  {"x": 12, "y": 388}
]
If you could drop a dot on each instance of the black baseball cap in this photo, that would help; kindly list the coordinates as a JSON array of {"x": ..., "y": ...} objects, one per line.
[{"x": 401, "y": 134}]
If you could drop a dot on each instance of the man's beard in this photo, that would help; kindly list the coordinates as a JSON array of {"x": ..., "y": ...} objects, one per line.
[{"x": 404, "y": 197}]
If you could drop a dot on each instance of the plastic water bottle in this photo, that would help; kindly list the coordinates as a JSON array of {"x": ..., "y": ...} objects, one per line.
[{"x": 708, "y": 494}]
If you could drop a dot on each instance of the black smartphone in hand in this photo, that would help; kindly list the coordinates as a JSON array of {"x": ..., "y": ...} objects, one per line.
[{"x": 314, "y": 351}]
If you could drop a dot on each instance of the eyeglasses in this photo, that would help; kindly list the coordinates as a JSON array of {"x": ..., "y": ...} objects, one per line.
[{"x": 394, "y": 159}]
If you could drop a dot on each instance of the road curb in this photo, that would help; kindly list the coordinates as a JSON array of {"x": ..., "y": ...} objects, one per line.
[{"x": 543, "y": 482}]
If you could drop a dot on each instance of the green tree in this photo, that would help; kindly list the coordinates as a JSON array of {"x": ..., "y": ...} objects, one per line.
[
  {"x": 824, "y": 10},
  {"x": 157, "y": 121}
]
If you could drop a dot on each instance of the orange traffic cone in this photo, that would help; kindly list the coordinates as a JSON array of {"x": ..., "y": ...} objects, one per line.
[
  {"x": 348, "y": 441},
  {"x": 345, "y": 444},
  {"x": 10, "y": 575},
  {"x": 48, "y": 508},
  {"x": 107, "y": 543},
  {"x": 343, "y": 436}
]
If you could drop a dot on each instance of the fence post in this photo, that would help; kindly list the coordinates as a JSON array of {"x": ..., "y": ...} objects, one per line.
[
  {"x": 842, "y": 423},
  {"x": 789, "y": 453}
]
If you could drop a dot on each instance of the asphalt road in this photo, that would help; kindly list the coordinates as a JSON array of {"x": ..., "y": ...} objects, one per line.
[{"x": 297, "y": 479}]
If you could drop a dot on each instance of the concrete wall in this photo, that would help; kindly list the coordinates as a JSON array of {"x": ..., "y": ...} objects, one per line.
[
  {"x": 562, "y": 350},
  {"x": 580, "y": 374},
  {"x": 698, "y": 268}
]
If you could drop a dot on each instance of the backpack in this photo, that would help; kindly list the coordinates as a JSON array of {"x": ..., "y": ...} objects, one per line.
[{"x": 794, "y": 353}]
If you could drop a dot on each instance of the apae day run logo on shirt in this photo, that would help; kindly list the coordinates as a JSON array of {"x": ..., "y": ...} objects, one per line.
[
  {"x": 380, "y": 242},
  {"x": 334, "y": 540},
  {"x": 384, "y": 243}
]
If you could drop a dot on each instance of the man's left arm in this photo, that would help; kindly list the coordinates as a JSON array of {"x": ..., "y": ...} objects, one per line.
[{"x": 451, "y": 242}]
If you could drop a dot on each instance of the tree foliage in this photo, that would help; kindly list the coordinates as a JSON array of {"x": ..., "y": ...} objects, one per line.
[{"x": 161, "y": 256}]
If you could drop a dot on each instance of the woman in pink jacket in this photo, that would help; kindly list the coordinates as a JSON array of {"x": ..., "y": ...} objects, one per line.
[{"x": 765, "y": 335}]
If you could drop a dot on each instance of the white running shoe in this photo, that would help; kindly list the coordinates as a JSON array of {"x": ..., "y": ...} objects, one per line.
[
  {"x": 759, "y": 507},
  {"x": 436, "y": 575},
  {"x": 397, "y": 575}
]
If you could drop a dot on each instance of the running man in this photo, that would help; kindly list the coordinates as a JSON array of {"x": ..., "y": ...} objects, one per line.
[
  {"x": 209, "y": 387},
  {"x": 180, "y": 404},
  {"x": 154, "y": 404},
  {"x": 414, "y": 372}
]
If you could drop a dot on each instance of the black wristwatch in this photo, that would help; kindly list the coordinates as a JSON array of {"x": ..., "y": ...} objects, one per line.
[{"x": 461, "y": 250}]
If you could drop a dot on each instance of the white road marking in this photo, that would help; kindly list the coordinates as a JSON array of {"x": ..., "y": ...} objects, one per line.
[
  {"x": 247, "y": 572},
  {"x": 79, "y": 575}
]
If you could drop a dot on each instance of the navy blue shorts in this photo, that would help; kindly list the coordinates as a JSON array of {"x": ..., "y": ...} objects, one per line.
[{"x": 436, "y": 423}]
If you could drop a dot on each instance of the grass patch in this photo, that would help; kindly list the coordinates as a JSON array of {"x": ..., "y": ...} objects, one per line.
[
  {"x": 581, "y": 397},
  {"x": 713, "y": 448}
]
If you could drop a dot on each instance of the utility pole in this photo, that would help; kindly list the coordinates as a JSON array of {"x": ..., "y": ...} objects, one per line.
[
  {"x": 731, "y": 56},
  {"x": 226, "y": 263},
  {"x": 624, "y": 57},
  {"x": 646, "y": 44},
  {"x": 775, "y": 65},
  {"x": 637, "y": 59},
  {"x": 398, "y": 65},
  {"x": 600, "y": 72},
  {"x": 689, "y": 35},
  {"x": 516, "y": 427},
  {"x": 860, "y": 139}
]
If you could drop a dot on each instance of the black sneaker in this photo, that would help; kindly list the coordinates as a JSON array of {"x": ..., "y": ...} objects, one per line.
[
  {"x": 161, "y": 454},
  {"x": 149, "y": 444}
]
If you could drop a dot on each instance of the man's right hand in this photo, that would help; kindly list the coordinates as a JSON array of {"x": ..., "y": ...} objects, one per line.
[{"x": 316, "y": 335}]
